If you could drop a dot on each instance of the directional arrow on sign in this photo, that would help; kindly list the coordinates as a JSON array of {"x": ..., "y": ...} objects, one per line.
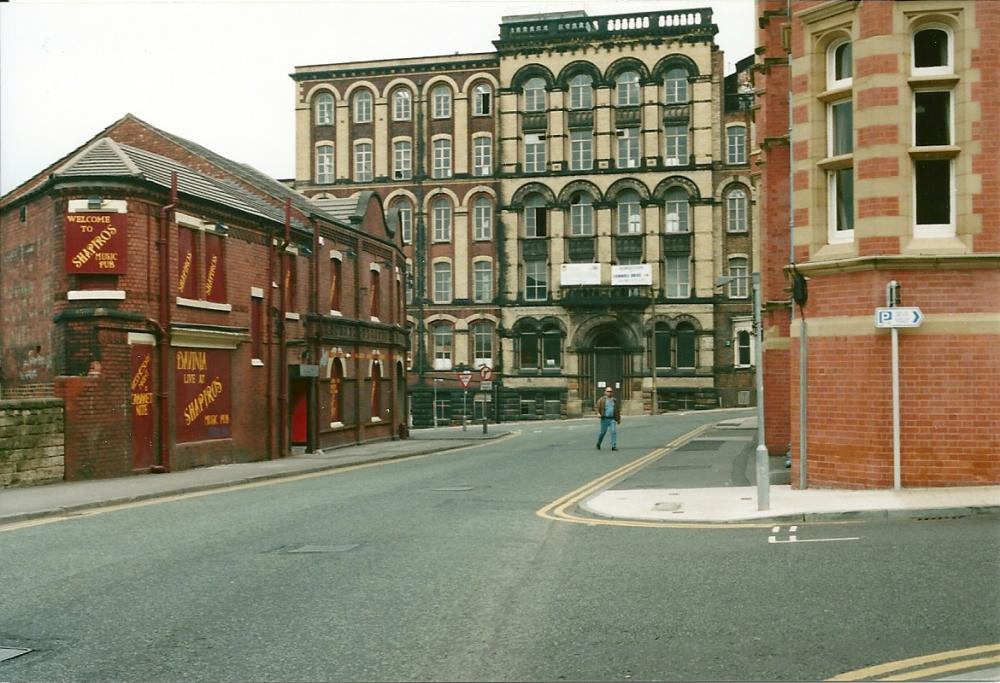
[{"x": 900, "y": 316}]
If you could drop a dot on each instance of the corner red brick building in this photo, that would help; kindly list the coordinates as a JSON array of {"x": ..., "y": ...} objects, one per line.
[
  {"x": 894, "y": 176},
  {"x": 191, "y": 311}
]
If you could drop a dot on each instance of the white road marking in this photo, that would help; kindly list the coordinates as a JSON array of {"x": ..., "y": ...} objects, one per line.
[{"x": 793, "y": 538}]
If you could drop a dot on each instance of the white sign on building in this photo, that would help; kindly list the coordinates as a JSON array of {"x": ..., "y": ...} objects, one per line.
[
  {"x": 580, "y": 274},
  {"x": 641, "y": 274}
]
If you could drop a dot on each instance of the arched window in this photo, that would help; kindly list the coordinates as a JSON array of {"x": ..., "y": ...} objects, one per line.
[
  {"x": 535, "y": 223},
  {"x": 629, "y": 213},
  {"x": 932, "y": 51},
  {"x": 324, "y": 164},
  {"x": 404, "y": 210},
  {"x": 482, "y": 345},
  {"x": 676, "y": 206},
  {"x": 627, "y": 89},
  {"x": 336, "y": 382},
  {"x": 441, "y": 217},
  {"x": 336, "y": 283},
  {"x": 442, "y": 158},
  {"x": 736, "y": 145},
  {"x": 687, "y": 351},
  {"x": 482, "y": 218},
  {"x": 839, "y": 65},
  {"x": 374, "y": 284},
  {"x": 581, "y": 92},
  {"x": 581, "y": 215},
  {"x": 534, "y": 94},
  {"x": 402, "y": 160},
  {"x": 401, "y": 105},
  {"x": 661, "y": 346},
  {"x": 363, "y": 107},
  {"x": 675, "y": 86},
  {"x": 441, "y": 98},
  {"x": 482, "y": 155},
  {"x": 482, "y": 282},
  {"x": 441, "y": 335},
  {"x": 539, "y": 347},
  {"x": 363, "y": 162},
  {"x": 482, "y": 100},
  {"x": 736, "y": 210},
  {"x": 739, "y": 271},
  {"x": 324, "y": 109}
]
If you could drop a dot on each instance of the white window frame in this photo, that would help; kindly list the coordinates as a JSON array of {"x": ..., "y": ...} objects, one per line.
[
  {"x": 739, "y": 269},
  {"x": 581, "y": 217},
  {"x": 627, "y": 148},
  {"x": 441, "y": 98},
  {"x": 482, "y": 281},
  {"x": 481, "y": 330},
  {"x": 743, "y": 324},
  {"x": 539, "y": 270},
  {"x": 534, "y": 95},
  {"x": 325, "y": 163},
  {"x": 534, "y": 153},
  {"x": 683, "y": 207},
  {"x": 736, "y": 210},
  {"x": 442, "y": 158},
  {"x": 675, "y": 141},
  {"x": 581, "y": 92},
  {"x": 628, "y": 214},
  {"x": 482, "y": 106},
  {"x": 443, "y": 282},
  {"x": 679, "y": 287},
  {"x": 736, "y": 144},
  {"x": 443, "y": 353},
  {"x": 482, "y": 219},
  {"x": 948, "y": 68},
  {"x": 931, "y": 230},
  {"x": 402, "y": 160},
  {"x": 835, "y": 235},
  {"x": 363, "y": 106},
  {"x": 405, "y": 219},
  {"x": 581, "y": 150},
  {"x": 531, "y": 208},
  {"x": 627, "y": 91},
  {"x": 832, "y": 82},
  {"x": 324, "y": 109},
  {"x": 831, "y": 128},
  {"x": 675, "y": 90},
  {"x": 441, "y": 216},
  {"x": 402, "y": 104},
  {"x": 482, "y": 155},
  {"x": 363, "y": 161}
]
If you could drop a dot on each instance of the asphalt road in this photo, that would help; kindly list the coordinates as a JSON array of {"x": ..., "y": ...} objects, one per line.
[{"x": 438, "y": 568}]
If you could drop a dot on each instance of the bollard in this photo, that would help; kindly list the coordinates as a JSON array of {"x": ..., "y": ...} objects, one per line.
[{"x": 484, "y": 424}]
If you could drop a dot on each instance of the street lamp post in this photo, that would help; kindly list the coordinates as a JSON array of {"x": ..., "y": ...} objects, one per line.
[
  {"x": 761, "y": 457},
  {"x": 435, "y": 406}
]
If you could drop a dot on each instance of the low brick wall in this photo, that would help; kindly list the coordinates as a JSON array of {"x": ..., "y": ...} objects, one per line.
[{"x": 31, "y": 441}]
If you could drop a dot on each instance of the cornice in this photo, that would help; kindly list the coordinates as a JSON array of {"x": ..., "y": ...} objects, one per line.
[{"x": 989, "y": 261}]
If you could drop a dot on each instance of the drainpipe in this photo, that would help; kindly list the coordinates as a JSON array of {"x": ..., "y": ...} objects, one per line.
[
  {"x": 314, "y": 338},
  {"x": 282, "y": 341},
  {"x": 161, "y": 327},
  {"x": 268, "y": 338}
]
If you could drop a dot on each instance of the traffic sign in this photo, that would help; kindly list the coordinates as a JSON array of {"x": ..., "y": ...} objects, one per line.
[
  {"x": 465, "y": 377},
  {"x": 898, "y": 316},
  {"x": 486, "y": 385},
  {"x": 486, "y": 373}
]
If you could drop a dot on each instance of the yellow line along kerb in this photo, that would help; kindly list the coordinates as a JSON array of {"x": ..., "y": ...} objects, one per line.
[{"x": 897, "y": 670}]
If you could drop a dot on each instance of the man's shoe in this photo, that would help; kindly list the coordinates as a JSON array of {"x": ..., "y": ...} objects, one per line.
[
  {"x": 598, "y": 446},
  {"x": 614, "y": 448}
]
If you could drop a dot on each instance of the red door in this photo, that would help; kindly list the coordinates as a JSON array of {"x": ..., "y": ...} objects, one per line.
[
  {"x": 300, "y": 412},
  {"x": 142, "y": 406}
]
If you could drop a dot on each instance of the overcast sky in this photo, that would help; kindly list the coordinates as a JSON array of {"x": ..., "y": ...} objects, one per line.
[{"x": 217, "y": 72}]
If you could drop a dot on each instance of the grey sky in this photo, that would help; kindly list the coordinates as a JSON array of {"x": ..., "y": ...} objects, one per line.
[{"x": 217, "y": 72}]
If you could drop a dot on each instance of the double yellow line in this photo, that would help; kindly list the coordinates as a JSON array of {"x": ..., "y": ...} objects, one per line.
[
  {"x": 559, "y": 510},
  {"x": 927, "y": 666}
]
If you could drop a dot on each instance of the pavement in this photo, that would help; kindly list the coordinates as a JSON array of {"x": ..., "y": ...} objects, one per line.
[{"x": 656, "y": 492}]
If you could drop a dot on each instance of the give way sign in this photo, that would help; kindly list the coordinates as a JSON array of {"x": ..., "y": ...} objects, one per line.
[{"x": 465, "y": 377}]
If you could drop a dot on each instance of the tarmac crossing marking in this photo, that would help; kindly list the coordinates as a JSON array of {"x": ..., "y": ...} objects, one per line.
[{"x": 793, "y": 537}]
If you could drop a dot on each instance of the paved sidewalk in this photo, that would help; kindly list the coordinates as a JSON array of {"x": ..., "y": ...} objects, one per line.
[
  {"x": 656, "y": 500},
  {"x": 30, "y": 502}
]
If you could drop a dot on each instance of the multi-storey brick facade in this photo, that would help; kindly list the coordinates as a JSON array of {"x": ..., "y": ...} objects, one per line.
[
  {"x": 894, "y": 177},
  {"x": 573, "y": 198},
  {"x": 190, "y": 310}
]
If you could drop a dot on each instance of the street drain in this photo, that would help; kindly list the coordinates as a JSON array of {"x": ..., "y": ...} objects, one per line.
[
  {"x": 455, "y": 488},
  {"x": 11, "y": 652},
  {"x": 305, "y": 549}
]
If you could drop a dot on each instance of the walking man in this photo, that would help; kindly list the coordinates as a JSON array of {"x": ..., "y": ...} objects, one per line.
[{"x": 611, "y": 415}]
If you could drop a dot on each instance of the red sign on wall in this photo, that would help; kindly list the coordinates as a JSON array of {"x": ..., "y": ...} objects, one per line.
[
  {"x": 96, "y": 243},
  {"x": 201, "y": 377},
  {"x": 142, "y": 406}
]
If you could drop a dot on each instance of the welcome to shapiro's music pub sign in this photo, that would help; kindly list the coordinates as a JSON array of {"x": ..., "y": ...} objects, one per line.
[{"x": 96, "y": 243}]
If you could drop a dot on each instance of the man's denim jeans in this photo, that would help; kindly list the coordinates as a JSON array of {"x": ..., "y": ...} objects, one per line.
[{"x": 605, "y": 423}]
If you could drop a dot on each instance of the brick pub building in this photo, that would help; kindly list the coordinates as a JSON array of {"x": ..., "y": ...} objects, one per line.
[
  {"x": 895, "y": 176},
  {"x": 190, "y": 310}
]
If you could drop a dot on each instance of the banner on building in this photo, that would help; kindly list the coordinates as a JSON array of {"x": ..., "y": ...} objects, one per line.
[
  {"x": 96, "y": 243},
  {"x": 580, "y": 274},
  {"x": 640, "y": 274},
  {"x": 202, "y": 381}
]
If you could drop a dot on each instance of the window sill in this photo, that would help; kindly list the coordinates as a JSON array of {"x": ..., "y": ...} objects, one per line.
[
  {"x": 919, "y": 80},
  {"x": 376, "y": 419},
  {"x": 836, "y": 93},
  {"x": 95, "y": 294},
  {"x": 336, "y": 313},
  {"x": 291, "y": 316},
  {"x": 206, "y": 305},
  {"x": 836, "y": 163},
  {"x": 935, "y": 152},
  {"x": 942, "y": 241},
  {"x": 256, "y": 363}
]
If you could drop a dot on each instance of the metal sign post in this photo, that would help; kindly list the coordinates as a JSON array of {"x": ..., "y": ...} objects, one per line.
[{"x": 894, "y": 317}]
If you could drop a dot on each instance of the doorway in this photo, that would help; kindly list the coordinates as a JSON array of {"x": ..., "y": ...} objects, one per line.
[
  {"x": 603, "y": 365},
  {"x": 299, "y": 406}
]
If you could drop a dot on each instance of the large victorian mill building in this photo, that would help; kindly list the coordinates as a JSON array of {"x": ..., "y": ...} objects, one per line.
[{"x": 567, "y": 204}]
